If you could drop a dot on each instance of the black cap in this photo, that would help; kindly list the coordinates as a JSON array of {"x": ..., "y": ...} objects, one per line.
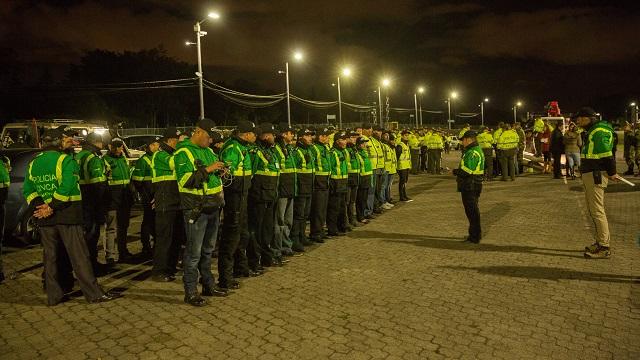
[
  {"x": 94, "y": 138},
  {"x": 154, "y": 139},
  {"x": 585, "y": 112},
  {"x": 171, "y": 133},
  {"x": 117, "y": 142},
  {"x": 361, "y": 140},
  {"x": 378, "y": 128},
  {"x": 352, "y": 133},
  {"x": 331, "y": 127},
  {"x": 405, "y": 132},
  {"x": 217, "y": 137},
  {"x": 469, "y": 134},
  {"x": 342, "y": 135},
  {"x": 245, "y": 126},
  {"x": 266, "y": 128},
  {"x": 367, "y": 125},
  {"x": 323, "y": 131},
  {"x": 207, "y": 125},
  {"x": 284, "y": 127},
  {"x": 305, "y": 131}
]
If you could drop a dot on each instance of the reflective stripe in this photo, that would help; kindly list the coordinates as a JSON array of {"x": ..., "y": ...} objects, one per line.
[
  {"x": 339, "y": 175},
  {"x": 479, "y": 170},
  {"x": 141, "y": 178},
  {"x": 66, "y": 198},
  {"x": 31, "y": 197},
  {"x": 163, "y": 178},
  {"x": 4, "y": 184},
  {"x": 156, "y": 179},
  {"x": 288, "y": 171},
  {"x": 119, "y": 182},
  {"x": 59, "y": 168},
  {"x": 93, "y": 181},
  {"x": 322, "y": 173},
  {"x": 266, "y": 173},
  {"x": 319, "y": 162}
]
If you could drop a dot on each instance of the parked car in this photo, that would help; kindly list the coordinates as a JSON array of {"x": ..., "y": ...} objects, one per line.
[
  {"x": 137, "y": 142},
  {"x": 454, "y": 142}
]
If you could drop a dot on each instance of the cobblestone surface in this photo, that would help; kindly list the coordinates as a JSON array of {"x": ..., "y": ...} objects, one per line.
[{"x": 402, "y": 287}]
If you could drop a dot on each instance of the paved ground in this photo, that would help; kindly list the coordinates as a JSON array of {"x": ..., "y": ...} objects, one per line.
[{"x": 402, "y": 287}]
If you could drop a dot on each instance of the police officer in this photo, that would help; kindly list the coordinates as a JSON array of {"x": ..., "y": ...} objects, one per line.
[
  {"x": 390, "y": 167},
  {"x": 284, "y": 151},
  {"x": 120, "y": 201},
  {"x": 263, "y": 196},
  {"x": 435, "y": 144},
  {"x": 379, "y": 169},
  {"x": 336, "y": 209},
  {"x": 353, "y": 162},
  {"x": 95, "y": 191},
  {"x": 403, "y": 152},
  {"x": 320, "y": 197},
  {"x": 485, "y": 141},
  {"x": 142, "y": 177},
  {"x": 5, "y": 169},
  {"x": 305, "y": 166},
  {"x": 596, "y": 157},
  {"x": 232, "y": 257},
  {"x": 507, "y": 145},
  {"x": 52, "y": 191},
  {"x": 365, "y": 179},
  {"x": 170, "y": 231},
  {"x": 469, "y": 178},
  {"x": 200, "y": 188}
]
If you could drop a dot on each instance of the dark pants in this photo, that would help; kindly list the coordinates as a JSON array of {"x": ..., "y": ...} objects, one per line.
[
  {"x": 380, "y": 179},
  {"x": 201, "y": 240},
  {"x": 415, "y": 161},
  {"x": 424, "y": 158},
  {"x": 148, "y": 226},
  {"x": 403, "y": 176},
  {"x": 318, "y": 215},
  {"x": 488, "y": 163},
  {"x": 92, "y": 218},
  {"x": 284, "y": 222},
  {"x": 301, "y": 211},
  {"x": 557, "y": 168},
  {"x": 3, "y": 198},
  {"x": 261, "y": 232},
  {"x": 361, "y": 201},
  {"x": 507, "y": 163},
  {"x": 470, "y": 202},
  {"x": 232, "y": 251},
  {"x": 352, "y": 198},
  {"x": 434, "y": 160},
  {"x": 170, "y": 234},
  {"x": 71, "y": 237},
  {"x": 336, "y": 212}
]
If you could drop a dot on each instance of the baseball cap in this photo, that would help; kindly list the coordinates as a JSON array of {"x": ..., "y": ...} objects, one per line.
[
  {"x": 367, "y": 125},
  {"x": 117, "y": 142},
  {"x": 342, "y": 135},
  {"x": 171, "y": 133},
  {"x": 378, "y": 128},
  {"x": 361, "y": 140},
  {"x": 217, "y": 137},
  {"x": 154, "y": 139},
  {"x": 469, "y": 133},
  {"x": 245, "y": 126},
  {"x": 585, "y": 112},
  {"x": 323, "y": 131},
  {"x": 284, "y": 127},
  {"x": 305, "y": 131},
  {"x": 93, "y": 138},
  {"x": 265, "y": 128},
  {"x": 405, "y": 132},
  {"x": 207, "y": 125}
]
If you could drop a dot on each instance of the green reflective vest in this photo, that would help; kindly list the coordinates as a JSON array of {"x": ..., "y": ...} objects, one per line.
[
  {"x": 366, "y": 168},
  {"x": 472, "y": 161},
  {"x": 321, "y": 156},
  {"x": 5, "y": 168},
  {"x": 338, "y": 164},
  {"x": 142, "y": 170},
  {"x": 287, "y": 163},
  {"x": 598, "y": 142},
  {"x": 162, "y": 167},
  {"x": 185, "y": 164},
  {"x": 353, "y": 161},
  {"x": 52, "y": 175},
  {"x": 118, "y": 170},
  {"x": 236, "y": 155},
  {"x": 508, "y": 140},
  {"x": 93, "y": 168},
  {"x": 404, "y": 162},
  {"x": 266, "y": 162}
]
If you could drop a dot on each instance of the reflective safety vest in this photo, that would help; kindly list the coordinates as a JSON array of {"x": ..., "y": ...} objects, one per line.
[
  {"x": 142, "y": 170},
  {"x": 435, "y": 142},
  {"x": 266, "y": 167},
  {"x": 118, "y": 168},
  {"x": 323, "y": 167},
  {"x": 508, "y": 140},
  {"x": 234, "y": 154},
  {"x": 376, "y": 153},
  {"x": 162, "y": 167},
  {"x": 52, "y": 175},
  {"x": 366, "y": 167},
  {"x": 404, "y": 162},
  {"x": 287, "y": 163},
  {"x": 92, "y": 168},
  {"x": 464, "y": 130},
  {"x": 414, "y": 143},
  {"x": 538, "y": 125},
  {"x": 353, "y": 163},
  {"x": 472, "y": 161},
  {"x": 496, "y": 135},
  {"x": 185, "y": 161},
  {"x": 598, "y": 142},
  {"x": 391, "y": 160},
  {"x": 5, "y": 168},
  {"x": 339, "y": 169},
  {"x": 485, "y": 140}
]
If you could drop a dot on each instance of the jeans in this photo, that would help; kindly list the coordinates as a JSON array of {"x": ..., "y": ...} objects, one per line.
[
  {"x": 381, "y": 188},
  {"x": 387, "y": 189},
  {"x": 284, "y": 221},
  {"x": 573, "y": 159},
  {"x": 201, "y": 240}
]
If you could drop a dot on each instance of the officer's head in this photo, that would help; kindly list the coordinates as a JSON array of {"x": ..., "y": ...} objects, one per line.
[
  {"x": 305, "y": 136},
  {"x": 154, "y": 144},
  {"x": 469, "y": 137},
  {"x": 361, "y": 143},
  {"x": 367, "y": 129},
  {"x": 377, "y": 131},
  {"x": 353, "y": 137},
  {"x": 171, "y": 136},
  {"x": 286, "y": 132},
  {"x": 202, "y": 133},
  {"x": 585, "y": 116},
  {"x": 116, "y": 146},
  {"x": 405, "y": 135},
  {"x": 340, "y": 139},
  {"x": 322, "y": 135},
  {"x": 95, "y": 139},
  {"x": 246, "y": 131},
  {"x": 266, "y": 133}
]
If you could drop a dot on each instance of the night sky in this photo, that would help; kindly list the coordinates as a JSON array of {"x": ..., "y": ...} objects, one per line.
[{"x": 576, "y": 52}]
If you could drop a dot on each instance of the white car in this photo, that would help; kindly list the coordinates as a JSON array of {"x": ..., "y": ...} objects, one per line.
[{"x": 454, "y": 142}]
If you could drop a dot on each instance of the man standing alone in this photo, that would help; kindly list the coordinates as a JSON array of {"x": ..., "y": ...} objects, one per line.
[{"x": 469, "y": 177}]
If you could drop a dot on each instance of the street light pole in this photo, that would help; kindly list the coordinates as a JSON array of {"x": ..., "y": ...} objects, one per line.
[
  {"x": 380, "y": 104},
  {"x": 415, "y": 100},
  {"x": 482, "y": 113},
  {"x": 449, "y": 112},
  {"x": 199, "y": 34},
  {"x": 286, "y": 66},
  {"x": 339, "y": 104}
]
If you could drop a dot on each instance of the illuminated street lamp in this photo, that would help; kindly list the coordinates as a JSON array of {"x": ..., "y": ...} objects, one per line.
[
  {"x": 453, "y": 95},
  {"x": 515, "y": 111},
  {"x": 384, "y": 83},
  {"x": 634, "y": 114},
  {"x": 421, "y": 91},
  {"x": 486, "y": 100},
  {"x": 199, "y": 74},
  {"x": 297, "y": 56},
  {"x": 346, "y": 72}
]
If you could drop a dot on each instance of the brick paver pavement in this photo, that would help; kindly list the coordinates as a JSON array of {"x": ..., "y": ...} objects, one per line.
[{"x": 402, "y": 287}]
